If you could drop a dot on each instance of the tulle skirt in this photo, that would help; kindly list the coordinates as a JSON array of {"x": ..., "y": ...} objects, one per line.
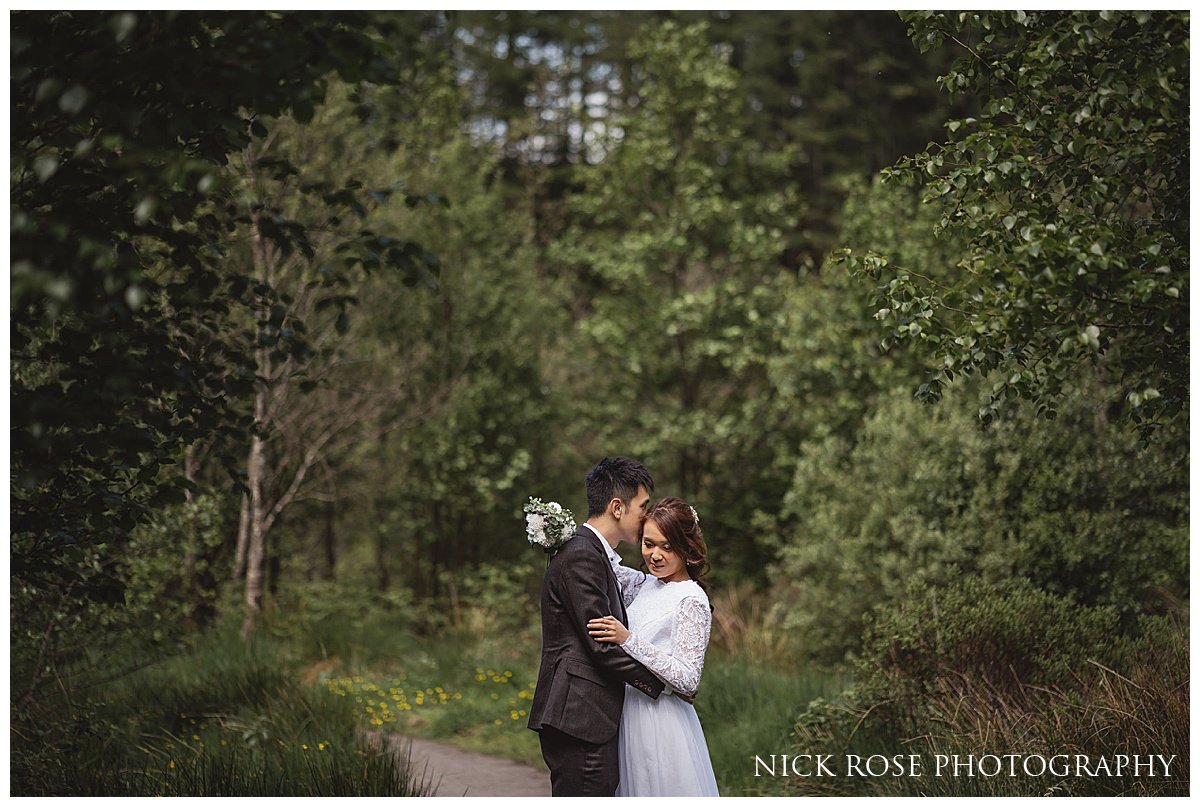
[{"x": 662, "y": 749}]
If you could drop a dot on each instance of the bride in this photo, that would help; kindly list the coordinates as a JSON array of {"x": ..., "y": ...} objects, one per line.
[{"x": 661, "y": 745}]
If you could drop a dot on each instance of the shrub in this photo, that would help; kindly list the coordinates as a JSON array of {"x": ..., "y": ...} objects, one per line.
[
  {"x": 172, "y": 569},
  {"x": 1072, "y": 505},
  {"x": 1007, "y": 668}
]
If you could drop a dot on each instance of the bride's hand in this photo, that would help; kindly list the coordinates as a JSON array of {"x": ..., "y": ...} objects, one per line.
[{"x": 608, "y": 629}]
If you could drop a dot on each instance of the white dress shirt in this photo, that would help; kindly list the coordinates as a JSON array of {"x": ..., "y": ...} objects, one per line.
[{"x": 613, "y": 557}]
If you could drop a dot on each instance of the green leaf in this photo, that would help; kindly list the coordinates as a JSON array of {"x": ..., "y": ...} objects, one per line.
[
  {"x": 45, "y": 167},
  {"x": 73, "y": 100}
]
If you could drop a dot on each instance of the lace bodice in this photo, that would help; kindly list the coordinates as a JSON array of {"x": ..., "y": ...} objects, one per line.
[
  {"x": 630, "y": 582},
  {"x": 669, "y": 626}
]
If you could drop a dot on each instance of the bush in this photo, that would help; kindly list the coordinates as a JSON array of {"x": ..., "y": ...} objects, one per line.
[
  {"x": 491, "y": 598},
  {"x": 1006, "y": 635},
  {"x": 173, "y": 570},
  {"x": 330, "y": 620},
  {"x": 1007, "y": 669},
  {"x": 926, "y": 495}
]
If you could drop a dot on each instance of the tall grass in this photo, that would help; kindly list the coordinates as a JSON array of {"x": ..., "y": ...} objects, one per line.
[
  {"x": 747, "y": 707},
  {"x": 752, "y": 691},
  {"x": 222, "y": 718},
  {"x": 1143, "y": 710}
]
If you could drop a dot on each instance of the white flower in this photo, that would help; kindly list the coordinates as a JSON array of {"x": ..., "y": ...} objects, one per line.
[{"x": 548, "y": 526}]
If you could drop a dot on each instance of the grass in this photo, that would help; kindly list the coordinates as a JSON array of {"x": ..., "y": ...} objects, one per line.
[
  {"x": 749, "y": 708},
  {"x": 222, "y": 718},
  {"x": 475, "y": 694},
  {"x": 291, "y": 712},
  {"x": 1142, "y": 709},
  {"x": 473, "y": 687}
]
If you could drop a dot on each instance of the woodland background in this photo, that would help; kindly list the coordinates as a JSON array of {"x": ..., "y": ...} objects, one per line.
[{"x": 304, "y": 307}]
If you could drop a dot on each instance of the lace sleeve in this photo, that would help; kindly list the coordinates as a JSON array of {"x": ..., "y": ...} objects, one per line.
[
  {"x": 630, "y": 581},
  {"x": 680, "y": 669}
]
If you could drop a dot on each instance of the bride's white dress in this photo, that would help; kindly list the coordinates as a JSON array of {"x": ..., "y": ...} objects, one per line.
[{"x": 661, "y": 745}]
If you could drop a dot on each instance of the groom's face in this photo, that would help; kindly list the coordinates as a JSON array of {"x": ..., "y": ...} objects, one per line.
[{"x": 632, "y": 515}]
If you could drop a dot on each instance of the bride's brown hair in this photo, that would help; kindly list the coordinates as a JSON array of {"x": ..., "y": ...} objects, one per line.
[{"x": 681, "y": 528}]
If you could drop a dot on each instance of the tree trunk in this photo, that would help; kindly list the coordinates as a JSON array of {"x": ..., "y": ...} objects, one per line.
[
  {"x": 416, "y": 579},
  {"x": 274, "y": 562},
  {"x": 385, "y": 577},
  {"x": 257, "y": 466},
  {"x": 329, "y": 540},
  {"x": 243, "y": 538},
  {"x": 193, "y": 540},
  {"x": 256, "y": 549},
  {"x": 435, "y": 559},
  {"x": 189, "y": 471}
]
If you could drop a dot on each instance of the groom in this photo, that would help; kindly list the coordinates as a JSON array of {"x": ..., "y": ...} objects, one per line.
[{"x": 581, "y": 684}]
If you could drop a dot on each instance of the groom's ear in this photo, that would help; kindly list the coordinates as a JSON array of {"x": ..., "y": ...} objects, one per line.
[{"x": 616, "y": 507}]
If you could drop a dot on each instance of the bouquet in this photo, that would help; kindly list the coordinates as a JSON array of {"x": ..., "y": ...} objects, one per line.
[{"x": 548, "y": 526}]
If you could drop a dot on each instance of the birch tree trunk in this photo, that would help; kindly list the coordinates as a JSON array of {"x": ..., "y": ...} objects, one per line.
[
  {"x": 256, "y": 468},
  {"x": 255, "y": 549},
  {"x": 243, "y": 539}
]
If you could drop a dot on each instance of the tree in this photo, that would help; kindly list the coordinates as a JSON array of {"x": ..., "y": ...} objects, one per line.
[
  {"x": 675, "y": 245},
  {"x": 443, "y": 492},
  {"x": 1071, "y": 187},
  {"x": 843, "y": 92},
  {"x": 314, "y": 396},
  {"x": 122, "y": 125}
]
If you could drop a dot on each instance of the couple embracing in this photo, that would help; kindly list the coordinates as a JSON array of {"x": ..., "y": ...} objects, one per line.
[{"x": 622, "y": 650}]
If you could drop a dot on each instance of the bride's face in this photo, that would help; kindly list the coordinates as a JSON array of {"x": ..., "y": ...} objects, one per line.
[{"x": 663, "y": 562}]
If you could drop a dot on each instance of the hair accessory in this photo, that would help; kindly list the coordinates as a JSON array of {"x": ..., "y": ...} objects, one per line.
[{"x": 695, "y": 515}]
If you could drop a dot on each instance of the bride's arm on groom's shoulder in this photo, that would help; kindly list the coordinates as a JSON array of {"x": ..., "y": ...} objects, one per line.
[
  {"x": 630, "y": 581},
  {"x": 680, "y": 668}
]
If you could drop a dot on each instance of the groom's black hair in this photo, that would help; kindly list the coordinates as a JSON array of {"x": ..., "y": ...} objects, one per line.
[{"x": 615, "y": 477}]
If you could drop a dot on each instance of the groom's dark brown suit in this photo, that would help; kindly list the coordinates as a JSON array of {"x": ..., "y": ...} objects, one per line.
[{"x": 581, "y": 684}]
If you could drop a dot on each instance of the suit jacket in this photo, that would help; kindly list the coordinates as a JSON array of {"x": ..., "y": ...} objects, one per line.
[{"x": 581, "y": 683}]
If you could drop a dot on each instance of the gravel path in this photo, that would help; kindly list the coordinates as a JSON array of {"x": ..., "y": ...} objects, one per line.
[{"x": 455, "y": 772}]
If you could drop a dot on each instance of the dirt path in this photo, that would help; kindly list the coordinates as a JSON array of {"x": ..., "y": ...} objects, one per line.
[{"x": 455, "y": 772}]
